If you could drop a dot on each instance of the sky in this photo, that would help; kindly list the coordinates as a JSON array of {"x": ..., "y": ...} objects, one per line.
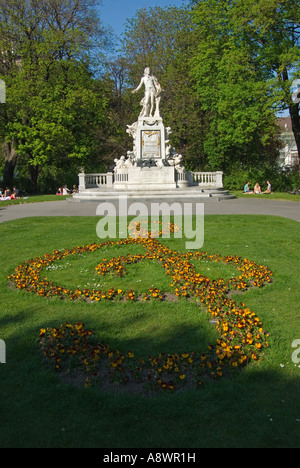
[{"x": 115, "y": 12}]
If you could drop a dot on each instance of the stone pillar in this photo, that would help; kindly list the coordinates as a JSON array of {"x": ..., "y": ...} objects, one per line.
[
  {"x": 190, "y": 178},
  {"x": 219, "y": 179},
  {"x": 109, "y": 179},
  {"x": 82, "y": 185}
]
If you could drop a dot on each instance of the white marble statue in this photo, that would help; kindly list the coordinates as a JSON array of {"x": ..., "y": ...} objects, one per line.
[
  {"x": 152, "y": 98},
  {"x": 120, "y": 164},
  {"x": 132, "y": 131},
  {"x": 131, "y": 159},
  {"x": 176, "y": 161},
  {"x": 123, "y": 163}
]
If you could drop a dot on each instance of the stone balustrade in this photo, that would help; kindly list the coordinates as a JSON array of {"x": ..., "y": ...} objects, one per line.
[
  {"x": 207, "y": 179},
  {"x": 87, "y": 181},
  {"x": 107, "y": 180}
]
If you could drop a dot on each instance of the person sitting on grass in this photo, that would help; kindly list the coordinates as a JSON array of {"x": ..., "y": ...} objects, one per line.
[
  {"x": 6, "y": 195},
  {"x": 257, "y": 188},
  {"x": 247, "y": 188},
  {"x": 15, "y": 194},
  {"x": 269, "y": 188}
]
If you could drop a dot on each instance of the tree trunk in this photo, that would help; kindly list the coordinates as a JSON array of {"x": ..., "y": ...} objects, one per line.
[
  {"x": 294, "y": 112},
  {"x": 34, "y": 174},
  {"x": 10, "y": 164}
]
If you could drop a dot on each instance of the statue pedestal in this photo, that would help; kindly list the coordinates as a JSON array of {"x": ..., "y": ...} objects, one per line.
[
  {"x": 151, "y": 170},
  {"x": 150, "y": 139},
  {"x": 146, "y": 178}
]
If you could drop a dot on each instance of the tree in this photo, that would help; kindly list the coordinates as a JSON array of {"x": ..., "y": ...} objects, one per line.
[
  {"x": 51, "y": 95},
  {"x": 273, "y": 28},
  {"x": 247, "y": 58},
  {"x": 233, "y": 90},
  {"x": 51, "y": 117}
]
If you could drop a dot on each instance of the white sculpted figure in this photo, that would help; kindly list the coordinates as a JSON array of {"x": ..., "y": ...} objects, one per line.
[
  {"x": 177, "y": 162},
  {"x": 132, "y": 131},
  {"x": 131, "y": 161},
  {"x": 152, "y": 94},
  {"x": 123, "y": 163},
  {"x": 120, "y": 164}
]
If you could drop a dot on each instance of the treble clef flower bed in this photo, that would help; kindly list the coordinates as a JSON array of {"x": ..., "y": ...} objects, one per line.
[{"x": 74, "y": 350}]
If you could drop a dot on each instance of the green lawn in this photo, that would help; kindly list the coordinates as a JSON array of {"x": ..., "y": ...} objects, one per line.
[
  {"x": 239, "y": 194},
  {"x": 258, "y": 407},
  {"x": 34, "y": 199},
  {"x": 272, "y": 196}
]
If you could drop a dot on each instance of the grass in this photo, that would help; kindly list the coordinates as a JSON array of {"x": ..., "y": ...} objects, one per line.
[
  {"x": 272, "y": 196},
  {"x": 257, "y": 408},
  {"x": 238, "y": 194},
  {"x": 34, "y": 199}
]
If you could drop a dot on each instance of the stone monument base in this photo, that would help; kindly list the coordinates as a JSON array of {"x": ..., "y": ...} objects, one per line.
[
  {"x": 195, "y": 194},
  {"x": 152, "y": 182},
  {"x": 153, "y": 169},
  {"x": 146, "y": 178}
]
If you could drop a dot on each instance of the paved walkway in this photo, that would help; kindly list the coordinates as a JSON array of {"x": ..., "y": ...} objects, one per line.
[{"x": 284, "y": 209}]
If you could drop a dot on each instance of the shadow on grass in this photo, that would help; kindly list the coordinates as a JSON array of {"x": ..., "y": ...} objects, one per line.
[
  {"x": 258, "y": 407},
  {"x": 255, "y": 409}
]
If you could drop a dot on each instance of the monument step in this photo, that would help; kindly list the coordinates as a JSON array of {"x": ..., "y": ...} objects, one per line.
[{"x": 199, "y": 195}]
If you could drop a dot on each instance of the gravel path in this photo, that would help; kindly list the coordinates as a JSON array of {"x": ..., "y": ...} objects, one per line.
[{"x": 284, "y": 209}]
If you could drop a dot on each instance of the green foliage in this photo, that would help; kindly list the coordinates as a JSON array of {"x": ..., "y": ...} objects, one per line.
[
  {"x": 53, "y": 101},
  {"x": 282, "y": 180},
  {"x": 225, "y": 66},
  {"x": 233, "y": 89},
  {"x": 49, "y": 116}
]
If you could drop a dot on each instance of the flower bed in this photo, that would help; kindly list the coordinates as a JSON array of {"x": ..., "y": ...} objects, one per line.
[{"x": 241, "y": 340}]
